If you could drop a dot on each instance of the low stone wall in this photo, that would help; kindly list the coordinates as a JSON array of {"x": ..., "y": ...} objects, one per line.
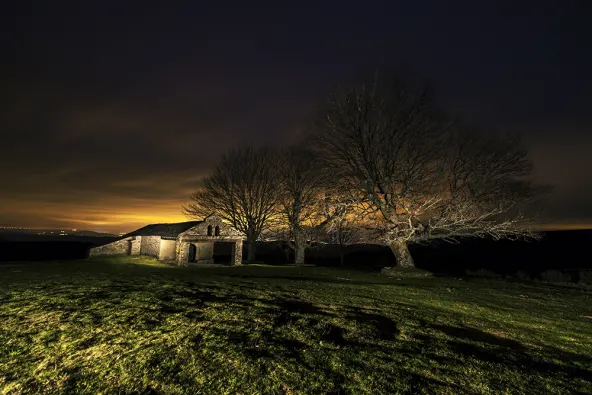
[{"x": 119, "y": 247}]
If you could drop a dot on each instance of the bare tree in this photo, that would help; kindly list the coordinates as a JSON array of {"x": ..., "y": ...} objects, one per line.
[
  {"x": 302, "y": 183},
  {"x": 243, "y": 190},
  {"x": 416, "y": 176},
  {"x": 341, "y": 226}
]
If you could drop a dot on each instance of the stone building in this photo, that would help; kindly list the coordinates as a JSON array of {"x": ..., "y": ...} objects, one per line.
[{"x": 185, "y": 243}]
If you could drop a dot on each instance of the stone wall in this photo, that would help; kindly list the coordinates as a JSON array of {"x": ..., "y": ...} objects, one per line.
[
  {"x": 237, "y": 253},
  {"x": 135, "y": 250},
  {"x": 225, "y": 231},
  {"x": 167, "y": 249},
  {"x": 150, "y": 246},
  {"x": 119, "y": 247},
  {"x": 182, "y": 253}
]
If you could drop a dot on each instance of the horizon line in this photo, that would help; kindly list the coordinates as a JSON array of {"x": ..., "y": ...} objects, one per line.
[{"x": 539, "y": 228}]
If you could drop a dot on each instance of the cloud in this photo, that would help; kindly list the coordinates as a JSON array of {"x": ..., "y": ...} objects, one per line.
[
  {"x": 122, "y": 159},
  {"x": 101, "y": 132},
  {"x": 561, "y": 160}
]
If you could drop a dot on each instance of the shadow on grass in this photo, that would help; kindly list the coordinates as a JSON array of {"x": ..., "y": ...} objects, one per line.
[
  {"x": 147, "y": 391},
  {"x": 319, "y": 326},
  {"x": 319, "y": 279},
  {"x": 277, "y": 326},
  {"x": 512, "y": 353},
  {"x": 386, "y": 328},
  {"x": 478, "y": 336}
]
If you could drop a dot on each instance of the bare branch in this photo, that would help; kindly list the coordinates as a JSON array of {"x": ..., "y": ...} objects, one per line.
[
  {"x": 414, "y": 175},
  {"x": 301, "y": 182},
  {"x": 243, "y": 190}
]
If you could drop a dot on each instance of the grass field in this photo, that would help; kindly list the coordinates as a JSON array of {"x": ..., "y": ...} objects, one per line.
[{"x": 134, "y": 326}]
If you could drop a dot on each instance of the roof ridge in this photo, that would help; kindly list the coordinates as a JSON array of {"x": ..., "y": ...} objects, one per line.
[
  {"x": 175, "y": 223},
  {"x": 164, "y": 229}
]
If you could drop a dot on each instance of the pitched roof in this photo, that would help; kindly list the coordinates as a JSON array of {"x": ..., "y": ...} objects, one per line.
[{"x": 164, "y": 230}]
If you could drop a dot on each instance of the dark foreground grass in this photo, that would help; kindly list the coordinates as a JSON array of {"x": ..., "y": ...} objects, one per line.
[{"x": 134, "y": 326}]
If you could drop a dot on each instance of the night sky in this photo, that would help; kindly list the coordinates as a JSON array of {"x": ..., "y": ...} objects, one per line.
[{"x": 111, "y": 112}]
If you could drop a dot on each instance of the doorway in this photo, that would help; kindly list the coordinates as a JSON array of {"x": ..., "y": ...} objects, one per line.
[
  {"x": 223, "y": 252},
  {"x": 192, "y": 253}
]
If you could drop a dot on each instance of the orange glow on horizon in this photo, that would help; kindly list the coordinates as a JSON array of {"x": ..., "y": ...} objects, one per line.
[
  {"x": 116, "y": 214},
  {"x": 123, "y": 222},
  {"x": 119, "y": 222},
  {"x": 564, "y": 226},
  {"x": 115, "y": 217}
]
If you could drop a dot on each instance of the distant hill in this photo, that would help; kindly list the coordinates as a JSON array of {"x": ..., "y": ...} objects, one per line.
[
  {"x": 94, "y": 240},
  {"x": 54, "y": 232},
  {"x": 53, "y": 235},
  {"x": 84, "y": 236},
  {"x": 28, "y": 244},
  {"x": 560, "y": 250}
]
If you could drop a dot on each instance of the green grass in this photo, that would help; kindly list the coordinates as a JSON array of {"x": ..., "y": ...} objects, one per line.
[{"x": 131, "y": 325}]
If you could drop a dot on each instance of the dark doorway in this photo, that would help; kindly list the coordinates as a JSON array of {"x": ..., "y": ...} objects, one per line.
[
  {"x": 223, "y": 252},
  {"x": 192, "y": 253}
]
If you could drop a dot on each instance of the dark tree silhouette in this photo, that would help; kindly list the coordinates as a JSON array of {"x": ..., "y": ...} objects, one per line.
[
  {"x": 302, "y": 184},
  {"x": 341, "y": 225},
  {"x": 416, "y": 176},
  {"x": 243, "y": 190}
]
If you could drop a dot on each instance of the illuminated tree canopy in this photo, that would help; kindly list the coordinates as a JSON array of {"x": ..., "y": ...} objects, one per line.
[{"x": 413, "y": 174}]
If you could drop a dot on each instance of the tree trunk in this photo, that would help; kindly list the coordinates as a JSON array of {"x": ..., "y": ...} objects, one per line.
[
  {"x": 402, "y": 254},
  {"x": 299, "y": 255},
  {"x": 299, "y": 248},
  {"x": 252, "y": 250},
  {"x": 341, "y": 256}
]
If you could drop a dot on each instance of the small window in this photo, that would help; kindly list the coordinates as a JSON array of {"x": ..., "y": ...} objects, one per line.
[
  {"x": 209, "y": 230},
  {"x": 217, "y": 231}
]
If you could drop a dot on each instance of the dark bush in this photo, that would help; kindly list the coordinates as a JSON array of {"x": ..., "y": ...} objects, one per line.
[
  {"x": 523, "y": 276},
  {"x": 555, "y": 276},
  {"x": 584, "y": 277},
  {"x": 483, "y": 273}
]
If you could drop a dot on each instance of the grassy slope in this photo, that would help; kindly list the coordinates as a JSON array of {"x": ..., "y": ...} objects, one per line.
[{"x": 132, "y": 325}]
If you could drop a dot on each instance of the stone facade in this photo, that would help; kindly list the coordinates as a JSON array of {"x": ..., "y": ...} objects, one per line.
[
  {"x": 167, "y": 250},
  {"x": 225, "y": 231},
  {"x": 136, "y": 244},
  {"x": 150, "y": 246},
  {"x": 188, "y": 240},
  {"x": 203, "y": 236}
]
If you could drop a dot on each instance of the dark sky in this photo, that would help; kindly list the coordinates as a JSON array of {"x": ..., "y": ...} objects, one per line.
[{"x": 111, "y": 112}]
